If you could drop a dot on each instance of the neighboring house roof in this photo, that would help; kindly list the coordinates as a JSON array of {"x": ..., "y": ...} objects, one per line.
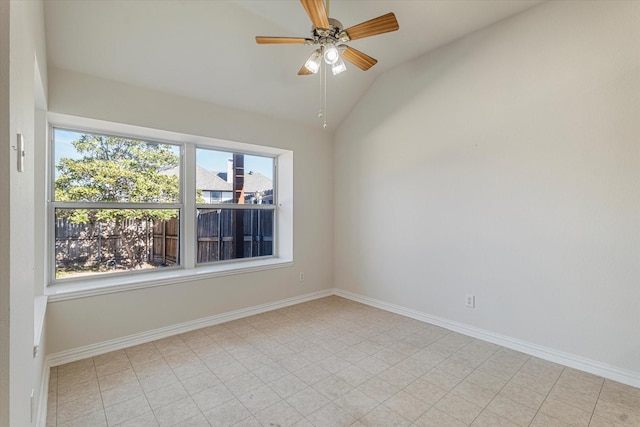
[{"x": 217, "y": 181}]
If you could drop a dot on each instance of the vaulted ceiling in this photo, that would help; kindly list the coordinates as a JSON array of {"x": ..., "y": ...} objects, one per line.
[{"x": 205, "y": 49}]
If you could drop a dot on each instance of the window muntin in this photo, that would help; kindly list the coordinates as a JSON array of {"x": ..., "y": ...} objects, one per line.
[{"x": 111, "y": 194}]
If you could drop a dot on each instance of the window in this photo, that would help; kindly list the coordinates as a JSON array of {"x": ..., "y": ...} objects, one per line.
[
  {"x": 122, "y": 205},
  {"x": 242, "y": 222},
  {"x": 112, "y": 196}
]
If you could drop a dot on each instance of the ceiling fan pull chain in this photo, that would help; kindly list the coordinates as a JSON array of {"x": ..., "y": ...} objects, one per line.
[{"x": 324, "y": 96}]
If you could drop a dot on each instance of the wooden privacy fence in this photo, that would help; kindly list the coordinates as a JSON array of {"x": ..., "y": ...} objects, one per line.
[
  {"x": 157, "y": 242},
  {"x": 216, "y": 230},
  {"x": 86, "y": 244}
]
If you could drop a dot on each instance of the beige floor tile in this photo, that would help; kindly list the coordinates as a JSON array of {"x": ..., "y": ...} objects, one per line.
[
  {"x": 597, "y": 421},
  {"x": 218, "y": 358},
  {"x": 77, "y": 390},
  {"x": 113, "y": 366},
  {"x": 253, "y": 422},
  {"x": 288, "y": 385},
  {"x": 281, "y": 414},
  {"x": 458, "y": 369},
  {"x": 356, "y": 403},
  {"x": 127, "y": 410},
  {"x": 397, "y": 377},
  {"x": 565, "y": 413},
  {"x": 165, "y": 395},
  {"x": 145, "y": 420},
  {"x": 176, "y": 412},
  {"x": 522, "y": 395},
  {"x": 486, "y": 380},
  {"x": 620, "y": 413},
  {"x": 620, "y": 394},
  {"x": 544, "y": 420},
  {"x": 311, "y": 356},
  {"x": 436, "y": 418},
  {"x": 154, "y": 382},
  {"x": 260, "y": 398},
  {"x": 112, "y": 356},
  {"x": 332, "y": 387},
  {"x": 489, "y": 419},
  {"x": 78, "y": 376},
  {"x": 539, "y": 385},
  {"x": 212, "y": 397},
  {"x": 198, "y": 421},
  {"x": 378, "y": 389},
  {"x": 113, "y": 380},
  {"x": 382, "y": 416},
  {"x": 228, "y": 371},
  {"x": 424, "y": 390},
  {"x": 354, "y": 375},
  {"x": 79, "y": 407},
  {"x": 200, "y": 382},
  {"x": 458, "y": 408},
  {"x": 243, "y": 384},
  {"x": 121, "y": 393},
  {"x": 94, "y": 419},
  {"x": 512, "y": 411},
  {"x": 473, "y": 393},
  {"x": 78, "y": 365},
  {"x": 232, "y": 412},
  {"x": 331, "y": 415},
  {"x": 307, "y": 401},
  {"x": 270, "y": 373},
  {"x": 574, "y": 397},
  {"x": 407, "y": 405},
  {"x": 152, "y": 367}
]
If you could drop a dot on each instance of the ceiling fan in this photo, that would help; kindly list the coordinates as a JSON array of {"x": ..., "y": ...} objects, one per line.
[{"x": 330, "y": 36}]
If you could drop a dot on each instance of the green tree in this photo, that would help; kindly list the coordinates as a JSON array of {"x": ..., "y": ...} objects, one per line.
[{"x": 119, "y": 170}]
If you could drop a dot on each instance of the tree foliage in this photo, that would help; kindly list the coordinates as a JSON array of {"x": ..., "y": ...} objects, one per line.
[{"x": 119, "y": 170}]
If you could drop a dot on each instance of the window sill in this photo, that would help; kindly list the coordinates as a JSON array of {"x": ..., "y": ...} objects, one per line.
[{"x": 101, "y": 286}]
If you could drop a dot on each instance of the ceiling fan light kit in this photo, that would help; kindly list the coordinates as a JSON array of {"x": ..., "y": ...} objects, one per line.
[{"x": 329, "y": 35}]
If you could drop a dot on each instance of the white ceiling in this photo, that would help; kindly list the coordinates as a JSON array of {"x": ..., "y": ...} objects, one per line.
[{"x": 205, "y": 49}]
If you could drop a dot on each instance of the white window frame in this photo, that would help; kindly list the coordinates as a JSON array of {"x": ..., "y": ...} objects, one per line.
[{"x": 188, "y": 270}]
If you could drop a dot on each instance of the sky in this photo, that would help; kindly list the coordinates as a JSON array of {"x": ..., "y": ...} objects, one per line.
[{"x": 212, "y": 160}]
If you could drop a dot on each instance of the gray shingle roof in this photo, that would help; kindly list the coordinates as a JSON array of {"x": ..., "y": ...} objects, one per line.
[{"x": 217, "y": 181}]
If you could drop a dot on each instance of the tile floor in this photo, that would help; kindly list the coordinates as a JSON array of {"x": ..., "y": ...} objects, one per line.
[{"x": 331, "y": 362}]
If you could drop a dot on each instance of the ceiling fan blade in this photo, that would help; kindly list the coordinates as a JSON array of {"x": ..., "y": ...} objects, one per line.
[
  {"x": 280, "y": 40},
  {"x": 317, "y": 13},
  {"x": 359, "y": 59},
  {"x": 304, "y": 72},
  {"x": 381, "y": 24}
]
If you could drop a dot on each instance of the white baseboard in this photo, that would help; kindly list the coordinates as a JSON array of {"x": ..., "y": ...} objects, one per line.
[
  {"x": 92, "y": 350},
  {"x": 597, "y": 368},
  {"x": 43, "y": 401}
]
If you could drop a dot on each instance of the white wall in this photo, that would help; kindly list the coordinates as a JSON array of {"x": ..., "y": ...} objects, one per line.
[
  {"x": 22, "y": 34},
  {"x": 75, "y": 323},
  {"x": 505, "y": 165}
]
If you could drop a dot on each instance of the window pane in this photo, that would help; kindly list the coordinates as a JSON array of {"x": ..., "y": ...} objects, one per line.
[
  {"x": 100, "y": 241},
  {"x": 224, "y": 177},
  {"x": 100, "y": 168},
  {"x": 225, "y": 234}
]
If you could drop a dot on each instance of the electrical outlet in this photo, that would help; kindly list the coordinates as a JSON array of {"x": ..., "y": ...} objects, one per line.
[
  {"x": 302, "y": 277},
  {"x": 470, "y": 301}
]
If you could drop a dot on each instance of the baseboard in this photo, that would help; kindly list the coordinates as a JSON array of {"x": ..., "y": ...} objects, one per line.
[
  {"x": 591, "y": 366},
  {"x": 41, "y": 415},
  {"x": 92, "y": 350}
]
